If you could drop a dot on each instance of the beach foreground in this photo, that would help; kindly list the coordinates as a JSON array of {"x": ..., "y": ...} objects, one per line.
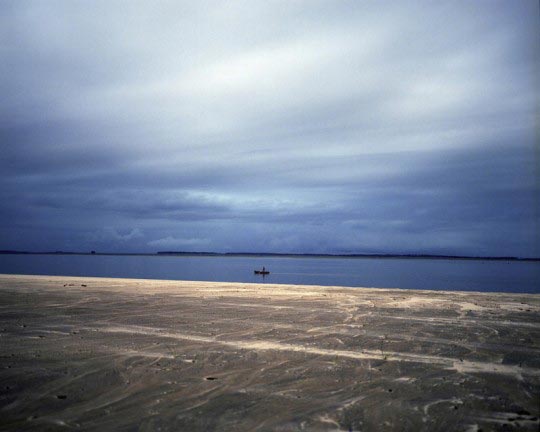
[{"x": 126, "y": 354}]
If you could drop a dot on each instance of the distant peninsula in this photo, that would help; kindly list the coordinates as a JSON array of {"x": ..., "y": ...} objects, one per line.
[{"x": 273, "y": 254}]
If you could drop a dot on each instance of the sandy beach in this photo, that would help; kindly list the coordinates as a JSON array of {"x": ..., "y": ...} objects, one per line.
[{"x": 127, "y": 354}]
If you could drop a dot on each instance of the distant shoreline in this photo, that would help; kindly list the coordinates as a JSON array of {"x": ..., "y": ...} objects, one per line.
[{"x": 274, "y": 255}]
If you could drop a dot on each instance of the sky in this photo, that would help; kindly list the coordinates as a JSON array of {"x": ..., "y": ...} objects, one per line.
[{"x": 271, "y": 126}]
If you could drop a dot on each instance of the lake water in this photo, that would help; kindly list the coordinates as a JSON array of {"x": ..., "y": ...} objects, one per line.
[{"x": 417, "y": 273}]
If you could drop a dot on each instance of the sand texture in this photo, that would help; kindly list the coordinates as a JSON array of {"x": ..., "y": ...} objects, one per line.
[{"x": 100, "y": 354}]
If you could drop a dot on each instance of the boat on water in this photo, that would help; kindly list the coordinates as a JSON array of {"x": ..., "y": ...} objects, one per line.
[{"x": 262, "y": 272}]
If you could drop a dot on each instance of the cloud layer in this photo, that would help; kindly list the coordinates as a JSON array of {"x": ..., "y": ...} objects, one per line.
[{"x": 341, "y": 127}]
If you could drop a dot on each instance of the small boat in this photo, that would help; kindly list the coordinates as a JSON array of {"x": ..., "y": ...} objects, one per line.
[{"x": 262, "y": 272}]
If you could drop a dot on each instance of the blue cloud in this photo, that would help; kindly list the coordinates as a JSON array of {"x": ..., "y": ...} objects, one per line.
[{"x": 360, "y": 127}]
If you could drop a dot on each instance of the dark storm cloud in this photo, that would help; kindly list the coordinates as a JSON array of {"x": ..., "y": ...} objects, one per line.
[
  {"x": 270, "y": 126},
  {"x": 136, "y": 204}
]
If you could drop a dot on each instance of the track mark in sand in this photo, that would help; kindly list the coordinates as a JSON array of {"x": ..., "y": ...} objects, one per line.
[
  {"x": 454, "y": 401},
  {"x": 462, "y": 366},
  {"x": 134, "y": 353},
  {"x": 326, "y": 419},
  {"x": 461, "y": 321},
  {"x": 258, "y": 305},
  {"x": 504, "y": 417}
]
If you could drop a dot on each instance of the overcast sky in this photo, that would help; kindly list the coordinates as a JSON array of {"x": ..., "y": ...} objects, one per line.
[{"x": 271, "y": 126}]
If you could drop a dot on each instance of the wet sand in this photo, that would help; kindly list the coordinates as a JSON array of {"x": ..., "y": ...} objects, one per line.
[{"x": 126, "y": 354}]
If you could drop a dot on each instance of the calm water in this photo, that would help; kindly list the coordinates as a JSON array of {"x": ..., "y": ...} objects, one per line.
[{"x": 435, "y": 274}]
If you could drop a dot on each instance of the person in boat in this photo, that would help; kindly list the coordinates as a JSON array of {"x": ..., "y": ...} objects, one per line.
[{"x": 263, "y": 269}]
